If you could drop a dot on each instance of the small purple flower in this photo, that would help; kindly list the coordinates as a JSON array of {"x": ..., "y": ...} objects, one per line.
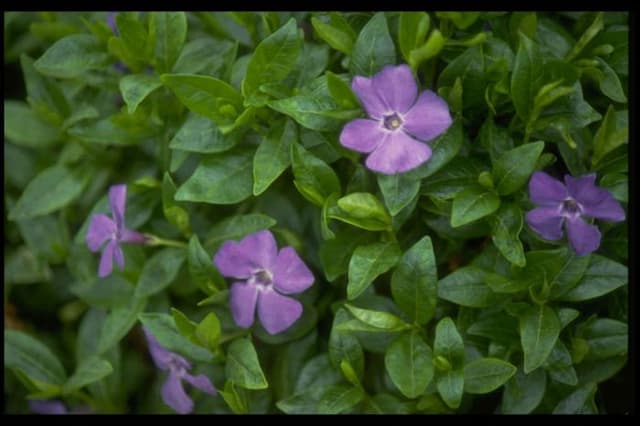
[
  {"x": 104, "y": 229},
  {"x": 269, "y": 274},
  {"x": 173, "y": 393},
  {"x": 111, "y": 21},
  {"x": 399, "y": 120},
  {"x": 42, "y": 406},
  {"x": 566, "y": 204}
]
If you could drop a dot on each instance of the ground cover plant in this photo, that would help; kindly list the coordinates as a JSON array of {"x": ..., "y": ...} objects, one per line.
[{"x": 316, "y": 212}]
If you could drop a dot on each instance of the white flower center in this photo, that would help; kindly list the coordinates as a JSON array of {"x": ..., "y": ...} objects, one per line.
[
  {"x": 570, "y": 208},
  {"x": 392, "y": 121},
  {"x": 262, "y": 279}
]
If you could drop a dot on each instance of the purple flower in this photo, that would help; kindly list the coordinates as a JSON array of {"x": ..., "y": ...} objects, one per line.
[
  {"x": 111, "y": 21},
  {"x": 42, "y": 406},
  {"x": 269, "y": 274},
  {"x": 173, "y": 393},
  {"x": 399, "y": 119},
  {"x": 104, "y": 229},
  {"x": 566, "y": 204}
]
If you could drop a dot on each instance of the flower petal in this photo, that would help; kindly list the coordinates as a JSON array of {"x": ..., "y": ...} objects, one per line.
[
  {"x": 365, "y": 91},
  {"x": 174, "y": 396},
  {"x": 399, "y": 153},
  {"x": 201, "y": 382},
  {"x": 118, "y": 255},
  {"x": 41, "y": 406},
  {"x": 242, "y": 301},
  {"x": 584, "y": 190},
  {"x": 607, "y": 209},
  {"x": 106, "y": 260},
  {"x": 161, "y": 356},
  {"x": 545, "y": 190},
  {"x": 101, "y": 228},
  {"x": 117, "y": 201},
  {"x": 241, "y": 259},
  {"x": 428, "y": 118},
  {"x": 396, "y": 87},
  {"x": 290, "y": 274},
  {"x": 277, "y": 312},
  {"x": 546, "y": 221},
  {"x": 132, "y": 237},
  {"x": 362, "y": 135},
  {"x": 584, "y": 238}
]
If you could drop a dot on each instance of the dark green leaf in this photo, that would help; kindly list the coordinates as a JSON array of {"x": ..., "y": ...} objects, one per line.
[
  {"x": 273, "y": 156},
  {"x": 136, "y": 87},
  {"x": 472, "y": 204},
  {"x": 160, "y": 271},
  {"x": 339, "y": 398},
  {"x": 243, "y": 367},
  {"x": 373, "y": 48},
  {"x": 199, "y": 134},
  {"x": 89, "y": 371},
  {"x": 313, "y": 178},
  {"x": 398, "y": 191},
  {"x": 539, "y": 331},
  {"x": 526, "y": 77},
  {"x": 573, "y": 403},
  {"x": 507, "y": 225},
  {"x": 171, "y": 33},
  {"x": 336, "y": 32},
  {"x": 163, "y": 328},
  {"x": 514, "y": 167},
  {"x": 601, "y": 277},
  {"x": 72, "y": 56},
  {"x": 524, "y": 392},
  {"x": 409, "y": 363},
  {"x": 467, "y": 287},
  {"x": 485, "y": 375},
  {"x": 367, "y": 263},
  {"x": 118, "y": 323}
]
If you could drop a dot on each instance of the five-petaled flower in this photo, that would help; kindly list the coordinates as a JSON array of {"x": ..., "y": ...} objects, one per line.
[
  {"x": 104, "y": 229},
  {"x": 268, "y": 274},
  {"x": 399, "y": 119},
  {"x": 566, "y": 204},
  {"x": 173, "y": 393}
]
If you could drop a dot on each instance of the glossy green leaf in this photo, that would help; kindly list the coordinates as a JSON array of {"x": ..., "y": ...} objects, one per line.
[
  {"x": 524, "y": 392},
  {"x": 513, "y": 168},
  {"x": 313, "y": 178},
  {"x": 273, "y": 156},
  {"x": 467, "y": 287},
  {"x": 409, "y": 363},
  {"x": 163, "y": 328},
  {"x": 485, "y": 375},
  {"x": 373, "y": 48},
  {"x": 414, "y": 283},
  {"x": 507, "y": 225},
  {"x": 526, "y": 77},
  {"x": 243, "y": 366},
  {"x": 367, "y": 263},
  {"x": 171, "y": 33},
  {"x": 28, "y": 355},
  {"x": 160, "y": 271},
  {"x": 336, "y": 32},
  {"x": 539, "y": 331},
  {"x": 601, "y": 277},
  {"x": 72, "y": 56},
  {"x": 472, "y": 204},
  {"x": 88, "y": 371},
  {"x": 136, "y": 87}
]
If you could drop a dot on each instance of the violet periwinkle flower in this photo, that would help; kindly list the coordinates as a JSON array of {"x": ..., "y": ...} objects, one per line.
[
  {"x": 42, "y": 406},
  {"x": 399, "y": 121},
  {"x": 566, "y": 204},
  {"x": 267, "y": 276},
  {"x": 112, "y": 231},
  {"x": 111, "y": 21},
  {"x": 173, "y": 393}
]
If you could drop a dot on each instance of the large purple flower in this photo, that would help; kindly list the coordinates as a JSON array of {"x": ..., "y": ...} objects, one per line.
[
  {"x": 173, "y": 393},
  {"x": 399, "y": 120},
  {"x": 104, "y": 229},
  {"x": 268, "y": 274},
  {"x": 566, "y": 204}
]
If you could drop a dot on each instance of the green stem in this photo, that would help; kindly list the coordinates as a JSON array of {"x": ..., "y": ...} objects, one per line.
[{"x": 157, "y": 241}]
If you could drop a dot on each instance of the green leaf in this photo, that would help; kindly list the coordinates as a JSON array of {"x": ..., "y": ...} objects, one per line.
[
  {"x": 174, "y": 213},
  {"x": 315, "y": 111},
  {"x": 163, "y": 328},
  {"x": 340, "y": 91},
  {"x": 237, "y": 227},
  {"x": 412, "y": 31},
  {"x": 574, "y": 402},
  {"x": 89, "y": 371},
  {"x": 344, "y": 346},
  {"x": 373, "y": 48},
  {"x": 606, "y": 338},
  {"x": 208, "y": 331},
  {"x": 449, "y": 345},
  {"x": 205, "y": 56},
  {"x": 118, "y": 323},
  {"x": 42, "y": 93},
  {"x": 220, "y": 179},
  {"x": 608, "y": 136},
  {"x": 409, "y": 363},
  {"x": 171, "y": 33},
  {"x": 236, "y": 398},
  {"x": 453, "y": 179},
  {"x": 337, "y": 32},
  {"x": 104, "y": 292},
  {"x": 467, "y": 286},
  {"x": 368, "y": 262},
  {"x": 610, "y": 83},
  {"x": 305, "y": 402},
  {"x": 527, "y": 76},
  {"x": 339, "y": 398},
  {"x": 273, "y": 156},
  {"x": 601, "y": 277},
  {"x": 384, "y": 403},
  {"x": 52, "y": 189},
  {"x": 472, "y": 204},
  {"x": 539, "y": 331},
  {"x": 72, "y": 56},
  {"x": 199, "y": 134},
  {"x": 160, "y": 271},
  {"x": 336, "y": 253},
  {"x": 559, "y": 365},
  {"x": 273, "y": 59},
  {"x": 206, "y": 96},
  {"x": 313, "y": 178},
  {"x": 136, "y": 87},
  {"x": 378, "y": 319},
  {"x": 499, "y": 328},
  {"x": 363, "y": 205},
  {"x": 514, "y": 167},
  {"x": 23, "y": 127},
  {"x": 485, "y": 375},
  {"x": 33, "y": 359},
  {"x": 524, "y": 392},
  {"x": 47, "y": 236},
  {"x": 414, "y": 283},
  {"x": 201, "y": 268},
  {"x": 398, "y": 191},
  {"x": 184, "y": 325},
  {"x": 243, "y": 367},
  {"x": 507, "y": 225}
]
